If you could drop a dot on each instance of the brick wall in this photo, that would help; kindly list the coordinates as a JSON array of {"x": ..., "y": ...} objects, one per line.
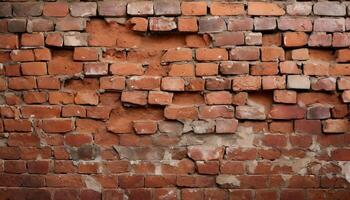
[{"x": 175, "y": 100}]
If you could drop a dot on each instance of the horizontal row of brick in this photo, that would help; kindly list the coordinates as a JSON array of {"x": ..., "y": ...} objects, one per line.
[{"x": 162, "y": 7}]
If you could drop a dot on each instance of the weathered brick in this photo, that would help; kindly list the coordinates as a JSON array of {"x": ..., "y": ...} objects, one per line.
[
  {"x": 40, "y": 25},
  {"x": 285, "y": 96},
  {"x": 5, "y": 9},
  {"x": 27, "y": 9},
  {"x": 187, "y": 24},
  {"x": 112, "y": 82},
  {"x": 145, "y": 127},
  {"x": 32, "y": 40},
  {"x": 162, "y": 23},
  {"x": 112, "y": 8},
  {"x": 134, "y": 97},
  {"x": 320, "y": 40},
  {"x": 160, "y": 98},
  {"x": 211, "y": 24},
  {"x": 228, "y": 39},
  {"x": 181, "y": 112},
  {"x": 226, "y": 125},
  {"x": 245, "y": 53},
  {"x": 34, "y": 68},
  {"x": 335, "y": 125},
  {"x": 143, "y": 82},
  {"x": 286, "y": 112},
  {"x": 264, "y": 68},
  {"x": 295, "y": 24},
  {"x": 221, "y": 97},
  {"x": 329, "y": 24},
  {"x": 264, "y": 8},
  {"x": 206, "y": 69},
  {"x": 140, "y": 8},
  {"x": 329, "y": 8},
  {"x": 54, "y": 39},
  {"x": 316, "y": 68},
  {"x": 325, "y": 84},
  {"x": 229, "y": 67},
  {"x": 240, "y": 24},
  {"x": 298, "y": 82},
  {"x": 57, "y": 125},
  {"x": 186, "y": 69},
  {"x": 264, "y": 23},
  {"x": 299, "y": 8},
  {"x": 17, "y": 25},
  {"x": 300, "y": 54},
  {"x": 273, "y": 82},
  {"x": 341, "y": 40},
  {"x": 75, "y": 39},
  {"x": 70, "y": 24},
  {"x": 212, "y": 152},
  {"x": 138, "y": 24},
  {"x": 241, "y": 83},
  {"x": 173, "y": 84},
  {"x": 164, "y": 7},
  {"x": 250, "y": 112},
  {"x": 83, "y": 9},
  {"x": 88, "y": 97},
  {"x": 85, "y": 54},
  {"x": 211, "y": 54},
  {"x": 253, "y": 38},
  {"x": 272, "y": 54},
  {"x": 126, "y": 69}
]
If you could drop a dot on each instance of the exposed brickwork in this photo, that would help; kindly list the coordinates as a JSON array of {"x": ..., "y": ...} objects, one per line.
[{"x": 175, "y": 100}]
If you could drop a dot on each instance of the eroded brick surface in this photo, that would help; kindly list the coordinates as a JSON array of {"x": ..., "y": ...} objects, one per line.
[{"x": 175, "y": 100}]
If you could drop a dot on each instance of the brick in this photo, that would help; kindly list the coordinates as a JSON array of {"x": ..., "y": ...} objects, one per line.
[
  {"x": 211, "y": 152},
  {"x": 73, "y": 111},
  {"x": 145, "y": 127},
  {"x": 340, "y": 154},
  {"x": 32, "y": 40},
  {"x": 55, "y": 9},
  {"x": 272, "y": 54},
  {"x": 289, "y": 67},
  {"x": 178, "y": 54},
  {"x": 13, "y": 125},
  {"x": 187, "y": 24},
  {"x": 85, "y": 54},
  {"x": 226, "y": 125},
  {"x": 17, "y": 25},
  {"x": 70, "y": 24},
  {"x": 273, "y": 82},
  {"x": 160, "y": 98},
  {"x": 299, "y": 8},
  {"x": 240, "y": 24},
  {"x": 22, "y": 83},
  {"x": 275, "y": 141},
  {"x": 228, "y": 39},
  {"x": 62, "y": 64},
  {"x": 217, "y": 83},
  {"x": 143, "y": 82},
  {"x": 346, "y": 96},
  {"x": 194, "y": 8},
  {"x": 88, "y": 97},
  {"x": 223, "y": 8},
  {"x": 221, "y": 97},
  {"x": 206, "y": 54},
  {"x": 335, "y": 125},
  {"x": 138, "y": 24},
  {"x": 265, "y": 8},
  {"x": 126, "y": 69},
  {"x": 318, "y": 112},
  {"x": 112, "y": 83},
  {"x": 320, "y": 40},
  {"x": 245, "y": 53},
  {"x": 140, "y": 8},
  {"x": 253, "y": 38},
  {"x": 286, "y": 112},
  {"x": 134, "y": 97},
  {"x": 181, "y": 70},
  {"x": 211, "y": 24},
  {"x": 329, "y": 24},
  {"x": 112, "y": 8},
  {"x": 228, "y": 68},
  {"x": 34, "y": 97},
  {"x": 250, "y": 112},
  {"x": 34, "y": 68},
  {"x": 54, "y": 39},
  {"x": 325, "y": 84},
  {"x": 206, "y": 69},
  {"x": 264, "y": 23},
  {"x": 173, "y": 84},
  {"x": 329, "y": 9},
  {"x": 42, "y": 54},
  {"x": 27, "y": 9},
  {"x": 218, "y": 111},
  {"x": 295, "y": 39},
  {"x": 272, "y": 39},
  {"x": 61, "y": 98},
  {"x": 285, "y": 96},
  {"x": 162, "y": 23},
  {"x": 339, "y": 69},
  {"x": 180, "y": 112},
  {"x": 300, "y": 54},
  {"x": 57, "y": 125},
  {"x": 163, "y": 7},
  {"x": 48, "y": 82},
  {"x": 83, "y": 9},
  {"x": 95, "y": 69},
  {"x": 6, "y": 9},
  {"x": 8, "y": 41},
  {"x": 75, "y": 39},
  {"x": 264, "y": 68},
  {"x": 298, "y": 82},
  {"x": 22, "y": 55},
  {"x": 242, "y": 83},
  {"x": 341, "y": 40},
  {"x": 343, "y": 83},
  {"x": 342, "y": 55},
  {"x": 316, "y": 68},
  {"x": 295, "y": 24}
]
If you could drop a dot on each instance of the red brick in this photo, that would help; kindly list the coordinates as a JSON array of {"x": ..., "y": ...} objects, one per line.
[
  {"x": 162, "y": 23},
  {"x": 308, "y": 126},
  {"x": 240, "y": 24},
  {"x": 246, "y": 83},
  {"x": 222, "y": 8},
  {"x": 194, "y": 8},
  {"x": 38, "y": 166},
  {"x": 206, "y": 69},
  {"x": 272, "y": 54},
  {"x": 295, "y": 24},
  {"x": 286, "y": 112},
  {"x": 77, "y": 140},
  {"x": 112, "y": 83},
  {"x": 54, "y": 39},
  {"x": 22, "y": 83},
  {"x": 9, "y": 41},
  {"x": 341, "y": 154},
  {"x": 226, "y": 125},
  {"x": 173, "y": 84},
  {"x": 276, "y": 141},
  {"x": 145, "y": 127},
  {"x": 34, "y": 97},
  {"x": 85, "y": 54},
  {"x": 22, "y": 55},
  {"x": 32, "y": 40},
  {"x": 221, "y": 97},
  {"x": 138, "y": 24},
  {"x": 134, "y": 97},
  {"x": 23, "y": 140},
  {"x": 57, "y": 125},
  {"x": 295, "y": 39},
  {"x": 143, "y": 82},
  {"x": 245, "y": 53},
  {"x": 140, "y": 8},
  {"x": 178, "y": 54},
  {"x": 40, "y": 111},
  {"x": 34, "y": 68},
  {"x": 160, "y": 98},
  {"x": 181, "y": 112},
  {"x": 228, "y": 39},
  {"x": 186, "y": 69},
  {"x": 264, "y": 8},
  {"x": 89, "y": 97},
  {"x": 55, "y": 9},
  {"x": 45, "y": 82},
  {"x": 15, "y": 166},
  {"x": 206, "y": 54},
  {"x": 205, "y": 153},
  {"x": 13, "y": 125},
  {"x": 285, "y": 96},
  {"x": 187, "y": 24},
  {"x": 131, "y": 181},
  {"x": 335, "y": 125},
  {"x": 111, "y": 8}
]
